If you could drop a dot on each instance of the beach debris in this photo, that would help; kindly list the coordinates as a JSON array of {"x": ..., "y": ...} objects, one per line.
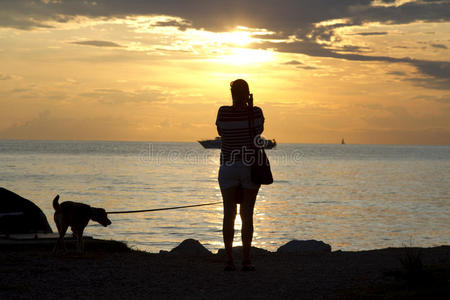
[
  {"x": 305, "y": 247},
  {"x": 190, "y": 247}
]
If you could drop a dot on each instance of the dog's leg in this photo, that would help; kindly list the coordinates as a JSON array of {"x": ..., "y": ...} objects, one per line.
[
  {"x": 62, "y": 229},
  {"x": 79, "y": 235}
]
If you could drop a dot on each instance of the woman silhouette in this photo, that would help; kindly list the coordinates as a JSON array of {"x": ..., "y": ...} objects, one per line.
[{"x": 233, "y": 125}]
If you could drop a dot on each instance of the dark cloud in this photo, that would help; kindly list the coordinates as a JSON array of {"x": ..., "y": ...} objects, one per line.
[
  {"x": 439, "y": 46},
  {"x": 299, "y": 65},
  {"x": 437, "y": 73},
  {"x": 350, "y": 48},
  {"x": 181, "y": 25},
  {"x": 213, "y": 15},
  {"x": 397, "y": 73},
  {"x": 371, "y": 33},
  {"x": 437, "y": 69},
  {"x": 312, "y": 48},
  {"x": 307, "y": 67},
  {"x": 293, "y": 62},
  {"x": 403, "y": 14},
  {"x": 97, "y": 43},
  {"x": 286, "y": 16}
]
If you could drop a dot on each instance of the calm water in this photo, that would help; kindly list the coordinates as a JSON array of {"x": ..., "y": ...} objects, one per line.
[{"x": 351, "y": 196}]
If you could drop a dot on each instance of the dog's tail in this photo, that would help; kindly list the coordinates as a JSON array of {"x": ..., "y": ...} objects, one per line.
[{"x": 55, "y": 202}]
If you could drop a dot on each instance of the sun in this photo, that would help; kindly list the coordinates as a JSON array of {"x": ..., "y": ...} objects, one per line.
[
  {"x": 237, "y": 38},
  {"x": 234, "y": 51}
]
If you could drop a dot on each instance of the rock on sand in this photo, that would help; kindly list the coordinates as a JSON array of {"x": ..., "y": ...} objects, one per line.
[
  {"x": 305, "y": 247},
  {"x": 190, "y": 247}
]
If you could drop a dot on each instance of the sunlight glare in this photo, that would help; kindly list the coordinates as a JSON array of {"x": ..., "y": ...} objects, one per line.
[
  {"x": 240, "y": 38},
  {"x": 242, "y": 56}
]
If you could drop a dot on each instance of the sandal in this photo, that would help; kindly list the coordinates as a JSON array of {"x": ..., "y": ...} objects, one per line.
[
  {"x": 229, "y": 267},
  {"x": 247, "y": 267}
]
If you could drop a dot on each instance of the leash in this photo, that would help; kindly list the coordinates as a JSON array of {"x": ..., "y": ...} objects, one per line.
[{"x": 158, "y": 209}]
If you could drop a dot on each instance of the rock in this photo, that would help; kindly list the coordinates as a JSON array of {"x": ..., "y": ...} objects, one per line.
[
  {"x": 190, "y": 247},
  {"x": 305, "y": 247},
  {"x": 19, "y": 215}
]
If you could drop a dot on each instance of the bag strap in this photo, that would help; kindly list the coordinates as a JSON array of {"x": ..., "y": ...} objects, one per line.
[{"x": 250, "y": 125}]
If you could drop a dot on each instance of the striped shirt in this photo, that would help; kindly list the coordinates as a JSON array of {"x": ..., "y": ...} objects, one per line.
[{"x": 233, "y": 127}]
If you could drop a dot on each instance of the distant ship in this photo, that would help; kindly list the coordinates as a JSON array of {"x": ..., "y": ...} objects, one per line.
[
  {"x": 217, "y": 143},
  {"x": 343, "y": 142}
]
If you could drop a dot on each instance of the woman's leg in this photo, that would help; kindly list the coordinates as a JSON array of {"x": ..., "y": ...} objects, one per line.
[
  {"x": 229, "y": 215},
  {"x": 246, "y": 212}
]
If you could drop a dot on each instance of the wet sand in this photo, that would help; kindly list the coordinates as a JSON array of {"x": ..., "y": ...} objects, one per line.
[{"x": 116, "y": 272}]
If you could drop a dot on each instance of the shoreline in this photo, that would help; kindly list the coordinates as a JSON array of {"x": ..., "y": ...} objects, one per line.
[{"x": 111, "y": 269}]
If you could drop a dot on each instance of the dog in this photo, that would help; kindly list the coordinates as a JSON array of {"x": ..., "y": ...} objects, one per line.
[{"x": 77, "y": 216}]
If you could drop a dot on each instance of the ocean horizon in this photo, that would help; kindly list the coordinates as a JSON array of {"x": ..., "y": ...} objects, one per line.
[{"x": 338, "y": 142}]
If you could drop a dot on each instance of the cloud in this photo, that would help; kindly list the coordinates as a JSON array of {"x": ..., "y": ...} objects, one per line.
[
  {"x": 96, "y": 43},
  {"x": 299, "y": 65},
  {"x": 437, "y": 73},
  {"x": 181, "y": 25},
  {"x": 371, "y": 33},
  {"x": 293, "y": 62},
  {"x": 397, "y": 73},
  {"x": 5, "y": 76},
  {"x": 217, "y": 15},
  {"x": 307, "y": 67},
  {"x": 439, "y": 46},
  {"x": 300, "y": 19},
  {"x": 436, "y": 69}
]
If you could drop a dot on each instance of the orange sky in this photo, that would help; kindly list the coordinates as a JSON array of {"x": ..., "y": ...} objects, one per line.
[{"x": 369, "y": 71}]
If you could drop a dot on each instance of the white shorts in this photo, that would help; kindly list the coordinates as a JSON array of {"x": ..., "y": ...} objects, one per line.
[{"x": 236, "y": 174}]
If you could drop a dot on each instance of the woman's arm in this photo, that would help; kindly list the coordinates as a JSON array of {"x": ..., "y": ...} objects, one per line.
[{"x": 260, "y": 117}]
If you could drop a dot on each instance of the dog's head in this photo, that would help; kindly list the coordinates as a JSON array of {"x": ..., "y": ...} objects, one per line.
[{"x": 99, "y": 215}]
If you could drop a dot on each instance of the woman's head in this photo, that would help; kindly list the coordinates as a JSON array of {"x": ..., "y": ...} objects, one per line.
[{"x": 239, "y": 92}]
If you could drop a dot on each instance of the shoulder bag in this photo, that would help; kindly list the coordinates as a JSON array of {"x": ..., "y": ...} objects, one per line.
[{"x": 260, "y": 167}]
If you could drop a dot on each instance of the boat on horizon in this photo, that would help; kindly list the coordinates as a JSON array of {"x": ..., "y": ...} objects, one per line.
[
  {"x": 217, "y": 143},
  {"x": 342, "y": 142}
]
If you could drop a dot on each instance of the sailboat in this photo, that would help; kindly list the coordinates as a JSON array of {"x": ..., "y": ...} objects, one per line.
[{"x": 342, "y": 142}]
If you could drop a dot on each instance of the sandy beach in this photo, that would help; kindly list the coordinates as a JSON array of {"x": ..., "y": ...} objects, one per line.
[{"x": 111, "y": 270}]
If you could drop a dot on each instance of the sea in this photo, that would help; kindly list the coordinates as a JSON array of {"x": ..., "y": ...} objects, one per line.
[{"x": 353, "y": 197}]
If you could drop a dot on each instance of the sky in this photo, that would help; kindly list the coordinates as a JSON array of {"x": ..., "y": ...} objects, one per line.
[{"x": 372, "y": 72}]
